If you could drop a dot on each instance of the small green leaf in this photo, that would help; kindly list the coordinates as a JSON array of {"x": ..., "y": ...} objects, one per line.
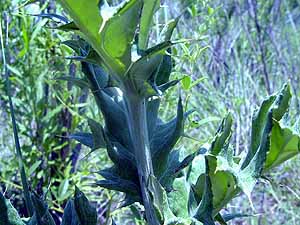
[
  {"x": 14, "y": 70},
  {"x": 198, "y": 81},
  {"x": 33, "y": 168},
  {"x": 210, "y": 10},
  {"x": 186, "y": 82},
  {"x": 28, "y": 2},
  {"x": 63, "y": 189}
]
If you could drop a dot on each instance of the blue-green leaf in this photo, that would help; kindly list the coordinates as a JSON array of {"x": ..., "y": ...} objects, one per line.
[
  {"x": 8, "y": 214},
  {"x": 84, "y": 138},
  {"x": 70, "y": 215},
  {"x": 87, "y": 214}
]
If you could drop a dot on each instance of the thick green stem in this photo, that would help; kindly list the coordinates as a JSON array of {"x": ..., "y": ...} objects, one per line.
[{"x": 137, "y": 122}]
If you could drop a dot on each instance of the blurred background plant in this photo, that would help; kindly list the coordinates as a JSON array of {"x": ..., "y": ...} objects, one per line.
[
  {"x": 47, "y": 111},
  {"x": 249, "y": 50}
]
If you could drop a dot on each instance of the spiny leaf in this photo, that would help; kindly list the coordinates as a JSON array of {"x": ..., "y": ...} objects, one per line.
[
  {"x": 123, "y": 159},
  {"x": 98, "y": 134},
  {"x": 284, "y": 145},
  {"x": 86, "y": 213},
  {"x": 167, "y": 85},
  {"x": 152, "y": 113},
  {"x": 168, "y": 30},
  {"x": 91, "y": 57},
  {"x": 162, "y": 76},
  {"x": 258, "y": 122},
  {"x": 79, "y": 46},
  {"x": 141, "y": 71},
  {"x": 151, "y": 70},
  {"x": 115, "y": 183},
  {"x": 278, "y": 104},
  {"x": 222, "y": 136},
  {"x": 196, "y": 168},
  {"x": 248, "y": 176},
  {"x": 224, "y": 187},
  {"x": 255, "y": 166},
  {"x": 192, "y": 202},
  {"x": 282, "y": 102},
  {"x": 115, "y": 118},
  {"x": 42, "y": 215},
  {"x": 160, "y": 202},
  {"x": 165, "y": 138},
  {"x": 205, "y": 209},
  {"x": 176, "y": 163},
  {"x": 223, "y": 180},
  {"x": 96, "y": 76}
]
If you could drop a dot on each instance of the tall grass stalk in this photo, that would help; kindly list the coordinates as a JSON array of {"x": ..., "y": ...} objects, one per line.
[{"x": 25, "y": 185}]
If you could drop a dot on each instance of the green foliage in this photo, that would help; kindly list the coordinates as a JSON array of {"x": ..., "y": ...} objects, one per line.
[
  {"x": 44, "y": 109},
  {"x": 127, "y": 79}
]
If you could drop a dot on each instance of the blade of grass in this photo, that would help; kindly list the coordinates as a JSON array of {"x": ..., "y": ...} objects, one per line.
[{"x": 24, "y": 181}]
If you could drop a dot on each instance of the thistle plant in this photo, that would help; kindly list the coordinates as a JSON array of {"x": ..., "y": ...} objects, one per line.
[{"x": 128, "y": 78}]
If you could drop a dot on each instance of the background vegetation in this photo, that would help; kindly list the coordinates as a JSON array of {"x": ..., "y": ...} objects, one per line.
[{"x": 242, "y": 50}]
